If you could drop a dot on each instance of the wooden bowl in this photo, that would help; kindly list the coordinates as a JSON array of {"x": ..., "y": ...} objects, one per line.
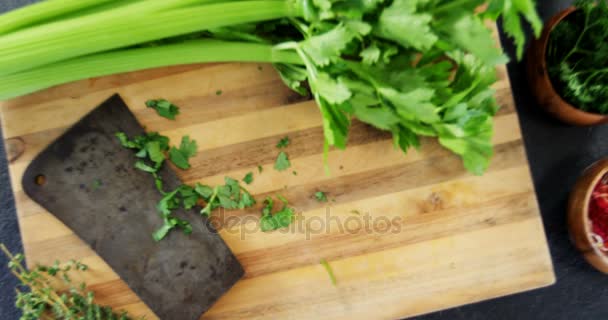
[
  {"x": 542, "y": 88},
  {"x": 579, "y": 224}
]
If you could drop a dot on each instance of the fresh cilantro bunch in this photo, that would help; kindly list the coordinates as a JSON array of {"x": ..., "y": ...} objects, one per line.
[
  {"x": 577, "y": 57},
  {"x": 39, "y": 296},
  {"x": 412, "y": 67}
]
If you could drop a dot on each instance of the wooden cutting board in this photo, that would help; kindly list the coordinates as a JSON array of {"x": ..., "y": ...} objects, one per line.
[{"x": 435, "y": 236}]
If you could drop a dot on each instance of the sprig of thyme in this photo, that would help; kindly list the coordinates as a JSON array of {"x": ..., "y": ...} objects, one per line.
[{"x": 39, "y": 298}]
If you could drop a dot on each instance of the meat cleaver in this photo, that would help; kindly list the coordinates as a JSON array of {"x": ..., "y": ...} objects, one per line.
[{"x": 88, "y": 181}]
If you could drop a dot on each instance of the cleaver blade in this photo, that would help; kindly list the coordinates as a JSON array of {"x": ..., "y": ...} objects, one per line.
[{"x": 88, "y": 181}]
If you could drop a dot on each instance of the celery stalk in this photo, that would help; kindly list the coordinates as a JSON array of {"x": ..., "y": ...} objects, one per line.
[
  {"x": 195, "y": 51},
  {"x": 77, "y": 37},
  {"x": 43, "y": 11}
]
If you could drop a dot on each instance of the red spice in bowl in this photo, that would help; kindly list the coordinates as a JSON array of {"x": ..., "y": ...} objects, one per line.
[
  {"x": 598, "y": 214},
  {"x": 588, "y": 214}
]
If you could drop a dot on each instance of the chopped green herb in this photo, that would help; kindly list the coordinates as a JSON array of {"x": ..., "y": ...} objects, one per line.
[
  {"x": 183, "y": 196},
  {"x": 180, "y": 156},
  {"x": 260, "y": 169},
  {"x": 248, "y": 179},
  {"x": 164, "y": 108},
  {"x": 357, "y": 212},
  {"x": 229, "y": 196},
  {"x": 283, "y": 143},
  {"x": 141, "y": 165},
  {"x": 150, "y": 148},
  {"x": 295, "y": 173},
  {"x": 189, "y": 197},
  {"x": 218, "y": 93},
  {"x": 278, "y": 220},
  {"x": 321, "y": 196},
  {"x": 282, "y": 162},
  {"x": 577, "y": 57},
  {"x": 329, "y": 270},
  {"x": 96, "y": 184}
]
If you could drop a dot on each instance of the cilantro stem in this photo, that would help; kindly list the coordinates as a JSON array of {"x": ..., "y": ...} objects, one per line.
[
  {"x": 195, "y": 51},
  {"x": 329, "y": 270},
  {"x": 207, "y": 209}
]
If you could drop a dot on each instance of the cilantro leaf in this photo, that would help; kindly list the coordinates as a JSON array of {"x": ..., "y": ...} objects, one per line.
[
  {"x": 402, "y": 23},
  {"x": 188, "y": 147},
  {"x": 189, "y": 197},
  {"x": 180, "y": 156},
  {"x": 335, "y": 124},
  {"x": 371, "y": 54},
  {"x": 172, "y": 201},
  {"x": 330, "y": 89},
  {"x": 204, "y": 191},
  {"x": 510, "y": 10},
  {"x": 124, "y": 140},
  {"x": 164, "y": 108},
  {"x": 154, "y": 152},
  {"x": 141, "y": 165},
  {"x": 282, "y": 162},
  {"x": 169, "y": 224},
  {"x": 162, "y": 232},
  {"x": 469, "y": 33},
  {"x": 248, "y": 179},
  {"x": 280, "y": 219},
  {"x": 283, "y": 143},
  {"x": 321, "y": 196},
  {"x": 150, "y": 149},
  {"x": 229, "y": 196},
  {"x": 260, "y": 169},
  {"x": 415, "y": 105},
  {"x": 326, "y": 47}
]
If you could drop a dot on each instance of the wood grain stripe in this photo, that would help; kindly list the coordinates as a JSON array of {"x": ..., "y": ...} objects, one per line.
[
  {"x": 367, "y": 184},
  {"x": 82, "y": 88},
  {"x": 258, "y": 263},
  {"x": 414, "y": 275},
  {"x": 357, "y": 240},
  {"x": 263, "y": 151},
  {"x": 185, "y": 86},
  {"x": 450, "y": 195},
  {"x": 261, "y": 253}
]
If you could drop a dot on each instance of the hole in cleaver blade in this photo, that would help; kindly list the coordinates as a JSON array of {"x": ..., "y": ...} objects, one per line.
[{"x": 91, "y": 185}]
